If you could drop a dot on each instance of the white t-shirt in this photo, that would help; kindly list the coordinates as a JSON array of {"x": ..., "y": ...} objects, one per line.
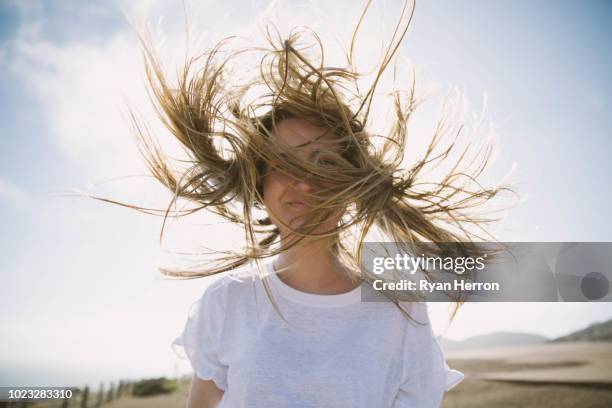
[{"x": 340, "y": 352}]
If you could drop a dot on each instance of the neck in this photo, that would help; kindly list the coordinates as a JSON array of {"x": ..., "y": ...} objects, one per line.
[{"x": 313, "y": 267}]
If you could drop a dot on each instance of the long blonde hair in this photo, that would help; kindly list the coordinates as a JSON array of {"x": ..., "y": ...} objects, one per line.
[{"x": 227, "y": 136}]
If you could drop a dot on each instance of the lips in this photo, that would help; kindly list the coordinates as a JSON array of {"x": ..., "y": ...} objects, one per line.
[{"x": 297, "y": 204}]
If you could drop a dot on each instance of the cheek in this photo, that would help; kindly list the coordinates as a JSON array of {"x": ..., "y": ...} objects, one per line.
[{"x": 272, "y": 188}]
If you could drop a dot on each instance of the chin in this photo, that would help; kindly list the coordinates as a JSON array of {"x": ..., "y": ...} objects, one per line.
[{"x": 296, "y": 221}]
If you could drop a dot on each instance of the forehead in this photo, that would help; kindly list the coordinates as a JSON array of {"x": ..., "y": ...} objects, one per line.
[{"x": 300, "y": 133}]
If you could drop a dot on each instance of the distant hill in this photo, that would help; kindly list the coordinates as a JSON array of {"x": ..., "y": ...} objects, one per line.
[
  {"x": 498, "y": 339},
  {"x": 595, "y": 332}
]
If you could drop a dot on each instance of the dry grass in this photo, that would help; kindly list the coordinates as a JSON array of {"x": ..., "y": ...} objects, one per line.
[
  {"x": 547, "y": 375},
  {"x": 177, "y": 399},
  {"x": 490, "y": 393}
]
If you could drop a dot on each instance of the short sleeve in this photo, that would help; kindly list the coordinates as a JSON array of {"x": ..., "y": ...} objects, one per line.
[
  {"x": 426, "y": 375},
  {"x": 200, "y": 340}
]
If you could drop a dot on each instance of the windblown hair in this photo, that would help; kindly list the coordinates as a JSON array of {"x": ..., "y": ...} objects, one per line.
[{"x": 226, "y": 131}]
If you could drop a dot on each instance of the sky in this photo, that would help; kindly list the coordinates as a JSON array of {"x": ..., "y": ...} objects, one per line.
[{"x": 80, "y": 287}]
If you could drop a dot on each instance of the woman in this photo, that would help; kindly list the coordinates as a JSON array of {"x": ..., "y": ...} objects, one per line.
[
  {"x": 335, "y": 350},
  {"x": 296, "y": 166}
]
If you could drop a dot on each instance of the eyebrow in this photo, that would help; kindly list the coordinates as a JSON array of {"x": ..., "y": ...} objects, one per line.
[
  {"x": 285, "y": 155},
  {"x": 314, "y": 152},
  {"x": 316, "y": 139}
]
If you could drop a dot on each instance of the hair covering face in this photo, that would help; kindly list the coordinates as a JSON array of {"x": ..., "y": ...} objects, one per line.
[{"x": 228, "y": 135}]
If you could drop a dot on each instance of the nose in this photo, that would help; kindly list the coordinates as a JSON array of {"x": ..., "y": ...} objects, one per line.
[{"x": 303, "y": 185}]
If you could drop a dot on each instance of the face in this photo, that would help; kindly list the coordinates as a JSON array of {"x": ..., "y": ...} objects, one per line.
[{"x": 287, "y": 198}]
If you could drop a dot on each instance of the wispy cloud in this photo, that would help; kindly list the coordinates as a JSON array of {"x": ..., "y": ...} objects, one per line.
[{"x": 13, "y": 194}]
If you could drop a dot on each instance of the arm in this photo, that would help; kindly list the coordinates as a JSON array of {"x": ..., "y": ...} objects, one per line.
[
  {"x": 426, "y": 376},
  {"x": 203, "y": 394}
]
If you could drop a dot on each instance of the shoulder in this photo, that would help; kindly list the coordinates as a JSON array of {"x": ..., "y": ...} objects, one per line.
[
  {"x": 233, "y": 285},
  {"x": 412, "y": 325},
  {"x": 418, "y": 313}
]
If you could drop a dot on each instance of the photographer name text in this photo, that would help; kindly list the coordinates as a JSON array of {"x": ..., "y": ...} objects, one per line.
[{"x": 426, "y": 286}]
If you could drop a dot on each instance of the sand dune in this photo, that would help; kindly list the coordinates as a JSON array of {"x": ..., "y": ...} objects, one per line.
[
  {"x": 559, "y": 375},
  {"x": 563, "y": 363}
]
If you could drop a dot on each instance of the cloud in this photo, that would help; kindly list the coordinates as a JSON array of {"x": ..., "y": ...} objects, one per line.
[
  {"x": 80, "y": 89},
  {"x": 13, "y": 194}
]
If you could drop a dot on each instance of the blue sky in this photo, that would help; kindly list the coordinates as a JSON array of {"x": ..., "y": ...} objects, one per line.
[{"x": 79, "y": 275}]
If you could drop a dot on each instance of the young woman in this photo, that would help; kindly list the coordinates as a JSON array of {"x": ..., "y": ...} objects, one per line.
[
  {"x": 295, "y": 165},
  {"x": 334, "y": 350}
]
